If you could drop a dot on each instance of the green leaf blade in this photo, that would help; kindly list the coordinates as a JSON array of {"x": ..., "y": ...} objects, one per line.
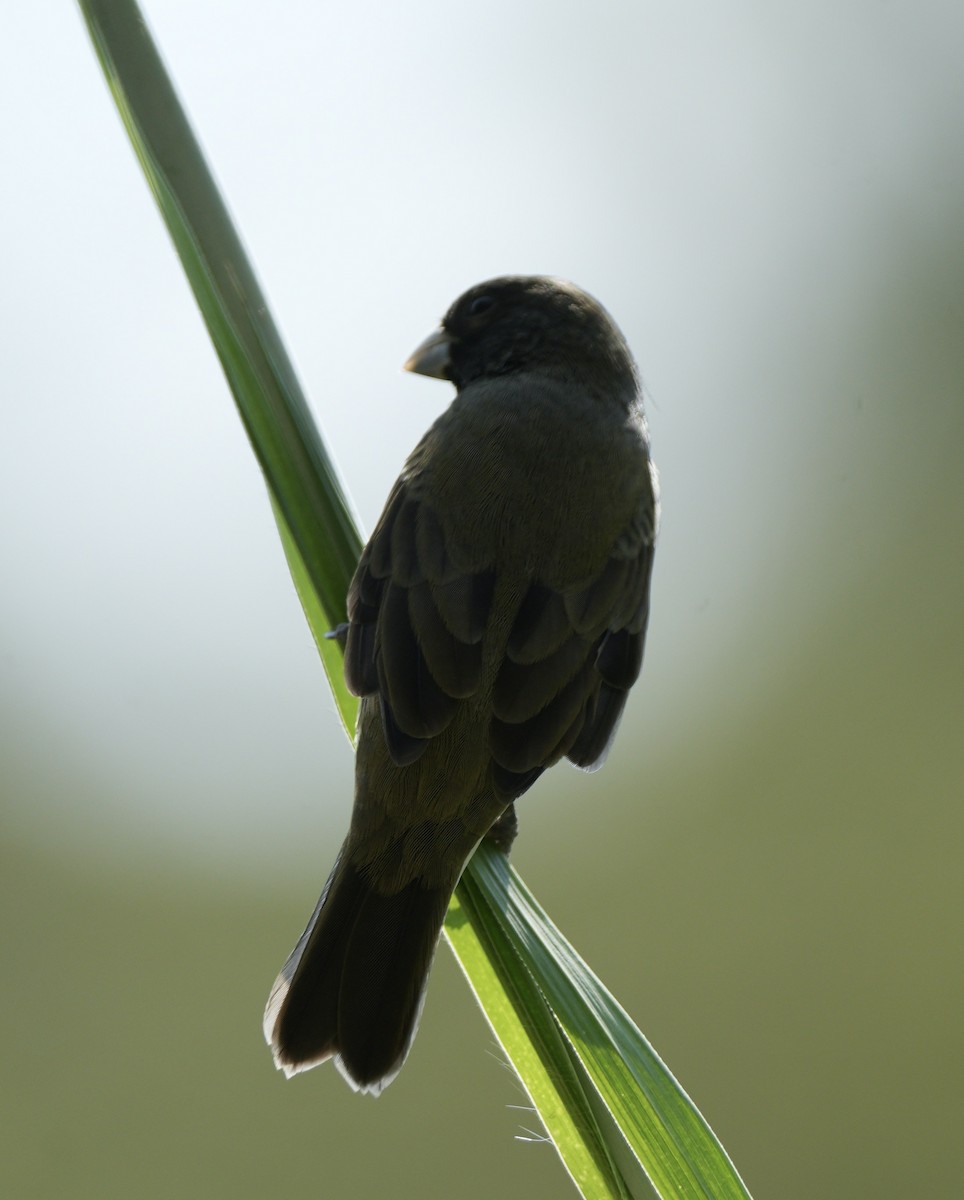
[
  {"x": 660, "y": 1124},
  {"x": 296, "y": 466},
  {"x": 613, "y": 1110}
]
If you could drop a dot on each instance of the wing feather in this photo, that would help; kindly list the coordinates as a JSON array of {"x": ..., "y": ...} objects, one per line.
[{"x": 416, "y": 624}]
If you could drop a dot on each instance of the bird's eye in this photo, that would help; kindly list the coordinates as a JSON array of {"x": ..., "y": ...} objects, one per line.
[{"x": 480, "y": 305}]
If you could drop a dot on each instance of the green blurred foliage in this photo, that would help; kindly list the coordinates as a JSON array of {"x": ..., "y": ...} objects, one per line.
[
  {"x": 774, "y": 896},
  {"x": 774, "y": 907}
]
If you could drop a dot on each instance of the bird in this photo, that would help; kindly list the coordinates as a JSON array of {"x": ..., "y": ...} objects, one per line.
[{"x": 496, "y": 622}]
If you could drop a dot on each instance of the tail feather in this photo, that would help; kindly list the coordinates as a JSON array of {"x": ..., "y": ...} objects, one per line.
[{"x": 354, "y": 985}]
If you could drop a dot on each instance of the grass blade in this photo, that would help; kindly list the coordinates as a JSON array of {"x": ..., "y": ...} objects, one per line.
[
  {"x": 614, "y": 1112},
  {"x": 314, "y": 515}
]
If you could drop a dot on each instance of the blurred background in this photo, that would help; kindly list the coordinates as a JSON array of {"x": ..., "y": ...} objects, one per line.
[{"x": 770, "y": 201}]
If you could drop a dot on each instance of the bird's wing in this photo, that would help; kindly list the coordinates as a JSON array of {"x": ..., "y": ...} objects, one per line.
[
  {"x": 416, "y": 621},
  {"x": 571, "y": 659}
]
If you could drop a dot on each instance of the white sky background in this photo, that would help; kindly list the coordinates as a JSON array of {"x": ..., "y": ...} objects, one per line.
[{"x": 734, "y": 182}]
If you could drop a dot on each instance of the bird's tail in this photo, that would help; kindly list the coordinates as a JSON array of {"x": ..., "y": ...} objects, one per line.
[{"x": 354, "y": 985}]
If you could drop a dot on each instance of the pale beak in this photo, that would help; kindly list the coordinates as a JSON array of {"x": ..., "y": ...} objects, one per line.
[{"x": 432, "y": 356}]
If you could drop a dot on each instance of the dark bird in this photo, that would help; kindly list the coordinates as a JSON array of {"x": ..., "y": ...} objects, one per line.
[{"x": 496, "y": 624}]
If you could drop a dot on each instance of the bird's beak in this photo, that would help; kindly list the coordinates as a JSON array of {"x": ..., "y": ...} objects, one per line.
[{"x": 432, "y": 356}]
